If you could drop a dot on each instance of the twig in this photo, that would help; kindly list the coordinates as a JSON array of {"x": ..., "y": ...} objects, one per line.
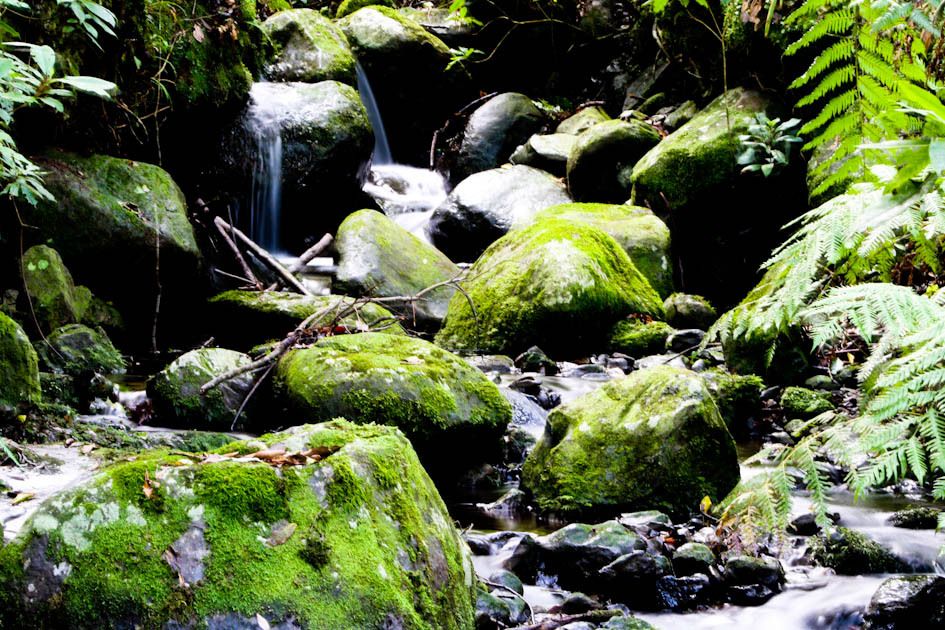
[
  {"x": 552, "y": 624},
  {"x": 265, "y": 256},
  {"x": 310, "y": 253},
  {"x": 249, "y": 395},
  {"x": 239, "y": 257}
]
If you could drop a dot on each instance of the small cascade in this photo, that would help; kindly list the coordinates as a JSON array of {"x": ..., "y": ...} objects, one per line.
[
  {"x": 266, "y": 192},
  {"x": 381, "y": 154}
]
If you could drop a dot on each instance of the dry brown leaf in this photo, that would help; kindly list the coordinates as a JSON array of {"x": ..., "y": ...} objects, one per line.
[
  {"x": 281, "y": 532},
  {"x": 87, "y": 448},
  {"x": 199, "y": 35}
]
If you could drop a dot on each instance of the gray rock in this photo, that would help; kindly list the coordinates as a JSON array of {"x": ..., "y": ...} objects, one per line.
[
  {"x": 684, "y": 340},
  {"x": 311, "y": 48},
  {"x": 692, "y": 558},
  {"x": 601, "y": 160},
  {"x": 582, "y": 120},
  {"x": 913, "y": 601},
  {"x": 493, "y": 132},
  {"x": 548, "y": 153}
]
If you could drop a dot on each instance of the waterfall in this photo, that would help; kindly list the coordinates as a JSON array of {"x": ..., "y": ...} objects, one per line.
[
  {"x": 381, "y": 148},
  {"x": 266, "y": 192}
]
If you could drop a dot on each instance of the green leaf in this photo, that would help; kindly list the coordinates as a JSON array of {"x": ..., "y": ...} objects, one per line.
[
  {"x": 90, "y": 85},
  {"x": 937, "y": 155}
]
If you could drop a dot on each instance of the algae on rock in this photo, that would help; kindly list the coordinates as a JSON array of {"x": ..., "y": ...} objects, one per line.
[{"x": 19, "y": 369}]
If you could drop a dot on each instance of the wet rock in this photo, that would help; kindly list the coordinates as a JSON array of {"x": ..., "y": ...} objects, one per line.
[
  {"x": 685, "y": 340},
  {"x": 116, "y": 210},
  {"x": 175, "y": 390},
  {"x": 492, "y": 612},
  {"x": 752, "y": 581},
  {"x": 78, "y": 350},
  {"x": 806, "y": 524},
  {"x": 689, "y": 311},
  {"x": 535, "y": 360},
  {"x": 453, "y": 414},
  {"x": 478, "y": 544},
  {"x": 360, "y": 541},
  {"x": 582, "y": 120},
  {"x": 631, "y": 444},
  {"x": 439, "y": 21},
  {"x": 738, "y": 397},
  {"x": 916, "y": 518},
  {"x": 576, "y": 604},
  {"x": 639, "y": 338},
  {"x": 576, "y": 553},
  {"x": 625, "y": 622},
  {"x": 493, "y": 132},
  {"x": 849, "y": 552},
  {"x": 508, "y": 580},
  {"x": 542, "y": 285},
  {"x": 248, "y": 318},
  {"x": 635, "y": 579},
  {"x": 680, "y": 115},
  {"x": 509, "y": 504},
  {"x": 311, "y": 48},
  {"x": 645, "y": 518},
  {"x": 378, "y": 258},
  {"x": 692, "y": 558},
  {"x": 528, "y": 423},
  {"x": 683, "y": 593},
  {"x": 602, "y": 159},
  {"x": 639, "y": 232},
  {"x": 486, "y": 205},
  {"x": 491, "y": 363},
  {"x": 546, "y": 152},
  {"x": 803, "y": 403},
  {"x": 907, "y": 602},
  {"x": 19, "y": 369},
  {"x": 822, "y": 382}
]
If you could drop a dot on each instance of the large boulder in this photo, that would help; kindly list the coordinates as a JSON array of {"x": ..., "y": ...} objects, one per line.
[
  {"x": 692, "y": 180},
  {"x": 906, "y": 602},
  {"x": 493, "y": 132},
  {"x": 557, "y": 284},
  {"x": 77, "y": 350},
  {"x": 639, "y": 232},
  {"x": 653, "y": 440},
  {"x": 486, "y": 205},
  {"x": 175, "y": 390},
  {"x": 603, "y": 157},
  {"x": 19, "y": 369},
  {"x": 327, "y": 526},
  {"x": 452, "y": 413},
  {"x": 112, "y": 221},
  {"x": 50, "y": 288},
  {"x": 405, "y": 66},
  {"x": 378, "y": 258},
  {"x": 311, "y": 48},
  {"x": 249, "y": 318},
  {"x": 324, "y": 135}
]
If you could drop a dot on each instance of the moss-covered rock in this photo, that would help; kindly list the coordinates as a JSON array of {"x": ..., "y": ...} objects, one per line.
[
  {"x": 803, "y": 403},
  {"x": 639, "y": 338},
  {"x": 653, "y": 440},
  {"x": 737, "y": 396},
  {"x": 175, "y": 390},
  {"x": 557, "y": 284},
  {"x": 19, "y": 368},
  {"x": 78, "y": 350},
  {"x": 689, "y": 311},
  {"x": 109, "y": 219},
  {"x": 602, "y": 159},
  {"x": 347, "y": 7},
  {"x": 353, "y": 535},
  {"x": 249, "y": 318},
  {"x": 487, "y": 205},
  {"x": 582, "y": 120},
  {"x": 849, "y": 552},
  {"x": 642, "y": 235},
  {"x": 493, "y": 132},
  {"x": 50, "y": 288},
  {"x": 378, "y": 258},
  {"x": 452, "y": 413},
  {"x": 311, "y": 48},
  {"x": 546, "y": 152}
]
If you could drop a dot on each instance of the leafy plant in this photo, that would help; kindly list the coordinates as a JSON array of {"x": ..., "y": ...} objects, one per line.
[{"x": 766, "y": 148}]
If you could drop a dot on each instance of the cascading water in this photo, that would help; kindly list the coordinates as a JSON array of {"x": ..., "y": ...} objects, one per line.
[
  {"x": 266, "y": 99},
  {"x": 408, "y": 195}
]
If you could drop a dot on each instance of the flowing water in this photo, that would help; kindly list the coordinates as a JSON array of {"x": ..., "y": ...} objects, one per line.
[
  {"x": 267, "y": 100},
  {"x": 382, "y": 153}
]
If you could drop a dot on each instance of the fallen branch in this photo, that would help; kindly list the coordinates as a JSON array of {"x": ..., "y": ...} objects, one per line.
[
  {"x": 265, "y": 256},
  {"x": 312, "y": 252},
  {"x": 239, "y": 255},
  {"x": 594, "y": 616}
]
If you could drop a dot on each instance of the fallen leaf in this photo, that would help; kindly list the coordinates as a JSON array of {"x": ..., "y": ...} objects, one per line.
[
  {"x": 261, "y": 622},
  {"x": 149, "y": 486},
  {"x": 23, "y": 497},
  {"x": 281, "y": 532},
  {"x": 199, "y": 35},
  {"x": 705, "y": 504}
]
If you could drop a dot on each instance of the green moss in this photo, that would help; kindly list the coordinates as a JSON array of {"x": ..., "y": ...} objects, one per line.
[
  {"x": 689, "y": 311},
  {"x": 582, "y": 120},
  {"x": 602, "y": 153},
  {"x": 639, "y": 232},
  {"x": 53, "y": 295},
  {"x": 738, "y": 397},
  {"x": 347, "y": 7},
  {"x": 557, "y": 284},
  {"x": 849, "y": 552},
  {"x": 803, "y": 403},
  {"x": 697, "y": 156},
  {"x": 380, "y": 29},
  {"x": 449, "y": 410},
  {"x": 653, "y": 440},
  {"x": 638, "y": 338},
  {"x": 77, "y": 350},
  {"x": 19, "y": 369},
  {"x": 310, "y": 48}
]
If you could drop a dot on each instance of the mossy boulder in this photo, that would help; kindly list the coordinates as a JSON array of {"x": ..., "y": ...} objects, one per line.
[
  {"x": 639, "y": 338},
  {"x": 311, "y": 48},
  {"x": 347, "y": 7},
  {"x": 486, "y": 205},
  {"x": 653, "y": 440},
  {"x": 546, "y": 152},
  {"x": 582, "y": 120},
  {"x": 452, "y": 413},
  {"x": 110, "y": 218},
  {"x": 50, "y": 288},
  {"x": 907, "y": 601},
  {"x": 249, "y": 318},
  {"x": 378, "y": 258},
  {"x": 689, "y": 311},
  {"x": 603, "y": 157},
  {"x": 78, "y": 350},
  {"x": 493, "y": 132},
  {"x": 175, "y": 390},
  {"x": 641, "y": 233},
  {"x": 803, "y": 403},
  {"x": 737, "y": 396},
  {"x": 351, "y": 533},
  {"x": 405, "y": 65},
  {"x": 849, "y": 552},
  {"x": 557, "y": 284},
  {"x": 19, "y": 369}
]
